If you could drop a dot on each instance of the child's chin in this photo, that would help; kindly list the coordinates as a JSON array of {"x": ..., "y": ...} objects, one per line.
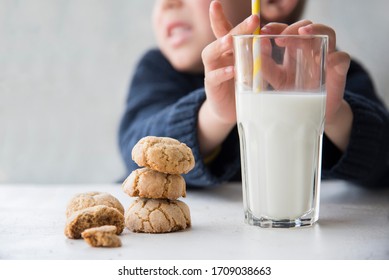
[{"x": 187, "y": 66}]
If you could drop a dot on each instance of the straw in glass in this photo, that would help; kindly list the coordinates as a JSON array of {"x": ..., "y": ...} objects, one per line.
[{"x": 255, "y": 10}]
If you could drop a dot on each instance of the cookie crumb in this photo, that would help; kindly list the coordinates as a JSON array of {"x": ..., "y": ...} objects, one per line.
[{"x": 104, "y": 236}]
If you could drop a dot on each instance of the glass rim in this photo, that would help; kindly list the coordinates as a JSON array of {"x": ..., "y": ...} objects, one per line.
[{"x": 272, "y": 36}]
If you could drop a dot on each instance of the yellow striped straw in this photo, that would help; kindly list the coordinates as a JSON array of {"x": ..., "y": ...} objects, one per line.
[{"x": 255, "y": 10}]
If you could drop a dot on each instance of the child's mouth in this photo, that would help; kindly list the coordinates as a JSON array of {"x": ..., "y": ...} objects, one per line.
[{"x": 178, "y": 33}]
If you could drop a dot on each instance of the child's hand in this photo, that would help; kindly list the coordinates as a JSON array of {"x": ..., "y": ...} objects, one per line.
[
  {"x": 217, "y": 115},
  {"x": 339, "y": 116},
  {"x": 337, "y": 62},
  {"x": 218, "y": 64}
]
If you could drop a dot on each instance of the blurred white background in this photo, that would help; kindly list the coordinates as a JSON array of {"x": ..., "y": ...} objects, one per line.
[{"x": 65, "y": 67}]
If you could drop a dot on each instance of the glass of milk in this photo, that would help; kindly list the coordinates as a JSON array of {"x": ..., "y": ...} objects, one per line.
[{"x": 280, "y": 100}]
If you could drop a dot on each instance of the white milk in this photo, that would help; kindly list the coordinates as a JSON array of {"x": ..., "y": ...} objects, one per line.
[{"x": 281, "y": 135}]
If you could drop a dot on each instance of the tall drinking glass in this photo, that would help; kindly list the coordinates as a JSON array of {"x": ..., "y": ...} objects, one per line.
[{"x": 280, "y": 100}]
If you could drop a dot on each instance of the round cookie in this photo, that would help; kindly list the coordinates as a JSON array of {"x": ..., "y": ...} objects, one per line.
[
  {"x": 95, "y": 216},
  {"x": 157, "y": 216},
  {"x": 163, "y": 154},
  {"x": 148, "y": 183},
  {"x": 104, "y": 236},
  {"x": 89, "y": 199}
]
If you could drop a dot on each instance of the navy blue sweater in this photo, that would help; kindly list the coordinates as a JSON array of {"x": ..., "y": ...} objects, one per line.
[{"x": 165, "y": 102}]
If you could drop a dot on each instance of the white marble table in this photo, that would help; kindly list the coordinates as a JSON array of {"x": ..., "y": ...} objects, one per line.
[{"x": 354, "y": 224}]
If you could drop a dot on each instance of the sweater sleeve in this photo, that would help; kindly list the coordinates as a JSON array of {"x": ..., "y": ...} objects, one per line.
[
  {"x": 164, "y": 102},
  {"x": 366, "y": 159}
]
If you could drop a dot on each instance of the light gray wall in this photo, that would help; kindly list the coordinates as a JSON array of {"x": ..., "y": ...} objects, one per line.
[
  {"x": 64, "y": 72},
  {"x": 65, "y": 67}
]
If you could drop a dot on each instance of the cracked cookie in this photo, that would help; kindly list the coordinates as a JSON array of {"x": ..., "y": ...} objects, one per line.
[
  {"x": 95, "y": 216},
  {"x": 148, "y": 183},
  {"x": 89, "y": 199},
  {"x": 157, "y": 216},
  {"x": 163, "y": 154},
  {"x": 104, "y": 236}
]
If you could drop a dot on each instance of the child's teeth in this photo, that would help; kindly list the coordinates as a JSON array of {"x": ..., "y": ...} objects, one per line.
[{"x": 178, "y": 30}]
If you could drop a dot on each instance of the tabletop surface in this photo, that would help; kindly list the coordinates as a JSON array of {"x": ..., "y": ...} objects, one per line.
[{"x": 353, "y": 224}]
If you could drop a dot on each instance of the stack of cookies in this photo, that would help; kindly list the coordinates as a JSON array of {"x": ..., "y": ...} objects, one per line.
[{"x": 158, "y": 184}]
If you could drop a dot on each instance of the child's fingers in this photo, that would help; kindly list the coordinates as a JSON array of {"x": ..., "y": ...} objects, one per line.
[
  {"x": 219, "y": 22},
  {"x": 340, "y": 61},
  {"x": 291, "y": 30},
  {"x": 273, "y": 28},
  {"x": 248, "y": 26},
  {"x": 215, "y": 78},
  {"x": 294, "y": 28},
  {"x": 271, "y": 72},
  {"x": 337, "y": 68},
  {"x": 221, "y": 26},
  {"x": 213, "y": 53},
  {"x": 320, "y": 29}
]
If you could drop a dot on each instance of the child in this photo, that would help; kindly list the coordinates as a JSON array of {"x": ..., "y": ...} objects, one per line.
[{"x": 185, "y": 90}]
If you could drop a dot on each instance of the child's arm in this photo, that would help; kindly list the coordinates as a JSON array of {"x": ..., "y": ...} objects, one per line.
[
  {"x": 366, "y": 158},
  {"x": 165, "y": 102}
]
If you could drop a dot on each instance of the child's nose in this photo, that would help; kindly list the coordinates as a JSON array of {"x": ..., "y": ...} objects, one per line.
[{"x": 171, "y": 4}]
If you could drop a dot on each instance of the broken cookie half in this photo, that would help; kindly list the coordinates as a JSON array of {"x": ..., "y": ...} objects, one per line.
[{"x": 95, "y": 216}]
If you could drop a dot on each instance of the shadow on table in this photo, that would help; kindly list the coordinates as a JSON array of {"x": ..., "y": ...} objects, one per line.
[{"x": 228, "y": 191}]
